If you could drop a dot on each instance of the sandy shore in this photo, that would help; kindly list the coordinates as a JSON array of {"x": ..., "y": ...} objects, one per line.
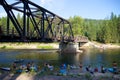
[{"x": 100, "y": 45}]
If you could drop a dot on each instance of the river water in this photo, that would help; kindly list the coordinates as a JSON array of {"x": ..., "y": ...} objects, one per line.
[{"x": 93, "y": 57}]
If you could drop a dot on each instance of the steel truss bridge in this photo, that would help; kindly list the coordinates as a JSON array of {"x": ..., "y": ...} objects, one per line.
[{"x": 38, "y": 24}]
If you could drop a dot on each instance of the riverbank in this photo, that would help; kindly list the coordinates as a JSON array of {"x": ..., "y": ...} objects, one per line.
[
  {"x": 29, "y": 45},
  {"x": 90, "y": 44},
  {"x": 100, "y": 45}
]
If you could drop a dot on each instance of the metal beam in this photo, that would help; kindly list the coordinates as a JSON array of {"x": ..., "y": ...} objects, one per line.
[
  {"x": 44, "y": 24},
  {"x": 8, "y": 25},
  {"x": 11, "y": 16},
  {"x": 45, "y": 10}
]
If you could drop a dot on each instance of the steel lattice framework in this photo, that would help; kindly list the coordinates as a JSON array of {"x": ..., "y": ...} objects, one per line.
[{"x": 38, "y": 23}]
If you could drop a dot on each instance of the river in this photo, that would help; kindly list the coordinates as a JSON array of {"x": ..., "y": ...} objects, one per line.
[{"x": 93, "y": 57}]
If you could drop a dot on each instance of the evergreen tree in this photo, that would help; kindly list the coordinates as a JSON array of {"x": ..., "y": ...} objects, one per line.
[{"x": 77, "y": 25}]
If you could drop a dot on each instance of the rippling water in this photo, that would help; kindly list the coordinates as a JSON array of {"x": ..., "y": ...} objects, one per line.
[{"x": 93, "y": 57}]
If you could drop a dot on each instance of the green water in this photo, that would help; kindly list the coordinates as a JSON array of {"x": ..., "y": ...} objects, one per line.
[{"x": 93, "y": 57}]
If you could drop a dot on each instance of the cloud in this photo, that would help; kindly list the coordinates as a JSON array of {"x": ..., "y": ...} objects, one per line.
[{"x": 46, "y": 2}]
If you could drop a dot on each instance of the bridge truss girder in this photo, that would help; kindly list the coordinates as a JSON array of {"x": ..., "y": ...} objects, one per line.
[{"x": 45, "y": 24}]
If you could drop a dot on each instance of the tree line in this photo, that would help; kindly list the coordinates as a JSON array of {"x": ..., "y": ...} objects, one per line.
[{"x": 104, "y": 31}]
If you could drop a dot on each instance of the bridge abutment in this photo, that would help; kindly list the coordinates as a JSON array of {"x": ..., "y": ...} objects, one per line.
[{"x": 69, "y": 47}]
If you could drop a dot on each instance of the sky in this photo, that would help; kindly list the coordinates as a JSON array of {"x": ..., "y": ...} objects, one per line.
[{"x": 92, "y": 9}]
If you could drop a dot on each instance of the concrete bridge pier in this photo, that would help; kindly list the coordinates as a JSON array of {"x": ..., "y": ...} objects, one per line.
[{"x": 68, "y": 47}]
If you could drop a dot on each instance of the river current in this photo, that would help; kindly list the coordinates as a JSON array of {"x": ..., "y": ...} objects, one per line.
[{"x": 93, "y": 57}]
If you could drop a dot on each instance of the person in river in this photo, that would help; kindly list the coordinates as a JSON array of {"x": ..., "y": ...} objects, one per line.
[
  {"x": 50, "y": 67},
  {"x": 103, "y": 70},
  {"x": 63, "y": 69},
  {"x": 14, "y": 66},
  {"x": 89, "y": 69},
  {"x": 28, "y": 66},
  {"x": 96, "y": 69},
  {"x": 45, "y": 67},
  {"x": 80, "y": 66},
  {"x": 114, "y": 64},
  {"x": 68, "y": 67}
]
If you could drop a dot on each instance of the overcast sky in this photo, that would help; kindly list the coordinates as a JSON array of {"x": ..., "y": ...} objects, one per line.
[{"x": 94, "y": 9}]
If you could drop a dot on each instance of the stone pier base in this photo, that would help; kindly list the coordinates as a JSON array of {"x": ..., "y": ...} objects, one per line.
[{"x": 69, "y": 47}]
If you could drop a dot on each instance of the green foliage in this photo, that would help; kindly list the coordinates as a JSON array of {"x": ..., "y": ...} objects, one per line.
[
  {"x": 77, "y": 25},
  {"x": 90, "y": 27},
  {"x": 109, "y": 30},
  {"x": 105, "y": 31},
  {"x": 45, "y": 47},
  {"x": 6, "y": 47},
  {"x": 3, "y": 47}
]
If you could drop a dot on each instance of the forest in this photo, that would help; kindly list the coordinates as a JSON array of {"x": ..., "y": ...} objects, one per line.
[{"x": 105, "y": 30}]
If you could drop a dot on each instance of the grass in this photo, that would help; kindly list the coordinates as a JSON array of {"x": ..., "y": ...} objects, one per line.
[
  {"x": 20, "y": 45},
  {"x": 3, "y": 47},
  {"x": 45, "y": 47},
  {"x": 116, "y": 44},
  {"x": 6, "y": 47}
]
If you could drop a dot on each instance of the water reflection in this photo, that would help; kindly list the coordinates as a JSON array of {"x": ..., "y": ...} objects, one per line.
[
  {"x": 93, "y": 57},
  {"x": 69, "y": 58}
]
